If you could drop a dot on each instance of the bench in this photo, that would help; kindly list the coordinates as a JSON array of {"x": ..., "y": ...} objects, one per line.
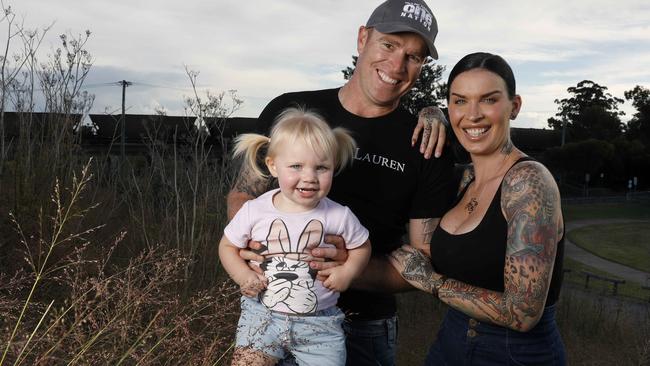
[{"x": 615, "y": 282}]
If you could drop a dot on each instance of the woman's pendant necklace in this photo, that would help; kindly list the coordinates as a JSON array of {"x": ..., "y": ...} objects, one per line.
[{"x": 473, "y": 201}]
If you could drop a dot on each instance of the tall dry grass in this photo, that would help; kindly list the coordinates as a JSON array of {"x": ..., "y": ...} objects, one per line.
[
  {"x": 73, "y": 304},
  {"x": 603, "y": 330}
]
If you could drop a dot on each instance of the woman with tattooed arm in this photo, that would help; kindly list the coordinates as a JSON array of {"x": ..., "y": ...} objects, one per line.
[{"x": 496, "y": 256}]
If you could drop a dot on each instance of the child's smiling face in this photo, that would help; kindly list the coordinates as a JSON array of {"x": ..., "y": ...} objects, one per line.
[{"x": 304, "y": 176}]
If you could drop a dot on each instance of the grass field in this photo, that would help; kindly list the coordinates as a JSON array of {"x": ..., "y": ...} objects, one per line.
[
  {"x": 606, "y": 211},
  {"x": 626, "y": 243}
]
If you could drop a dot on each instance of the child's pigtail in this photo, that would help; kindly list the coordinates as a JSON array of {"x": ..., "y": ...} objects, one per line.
[
  {"x": 248, "y": 146},
  {"x": 346, "y": 148}
]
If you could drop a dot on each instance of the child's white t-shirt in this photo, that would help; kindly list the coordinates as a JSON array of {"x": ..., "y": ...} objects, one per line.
[{"x": 288, "y": 238}]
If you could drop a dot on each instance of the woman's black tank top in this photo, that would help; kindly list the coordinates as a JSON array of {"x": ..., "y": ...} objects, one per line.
[{"x": 478, "y": 257}]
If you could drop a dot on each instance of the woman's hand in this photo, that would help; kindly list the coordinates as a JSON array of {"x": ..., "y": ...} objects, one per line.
[{"x": 432, "y": 123}]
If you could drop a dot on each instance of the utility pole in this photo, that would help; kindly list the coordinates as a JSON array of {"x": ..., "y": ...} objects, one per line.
[{"x": 124, "y": 84}]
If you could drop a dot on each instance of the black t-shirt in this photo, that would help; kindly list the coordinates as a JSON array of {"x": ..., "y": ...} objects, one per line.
[
  {"x": 478, "y": 257},
  {"x": 388, "y": 183}
]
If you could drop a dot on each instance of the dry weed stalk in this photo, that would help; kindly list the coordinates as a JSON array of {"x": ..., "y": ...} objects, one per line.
[{"x": 64, "y": 213}]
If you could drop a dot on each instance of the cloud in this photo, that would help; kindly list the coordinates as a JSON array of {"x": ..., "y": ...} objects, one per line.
[{"x": 263, "y": 48}]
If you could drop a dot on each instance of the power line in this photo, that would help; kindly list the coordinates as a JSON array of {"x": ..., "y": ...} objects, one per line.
[
  {"x": 162, "y": 86},
  {"x": 84, "y": 86},
  {"x": 101, "y": 85},
  {"x": 124, "y": 84},
  {"x": 138, "y": 83}
]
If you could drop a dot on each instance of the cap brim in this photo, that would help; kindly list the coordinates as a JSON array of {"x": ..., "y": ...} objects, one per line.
[{"x": 389, "y": 28}]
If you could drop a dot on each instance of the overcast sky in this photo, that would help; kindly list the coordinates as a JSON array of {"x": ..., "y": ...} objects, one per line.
[{"x": 262, "y": 48}]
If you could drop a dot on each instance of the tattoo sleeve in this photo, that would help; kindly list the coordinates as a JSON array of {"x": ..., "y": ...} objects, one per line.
[
  {"x": 531, "y": 205},
  {"x": 416, "y": 269}
]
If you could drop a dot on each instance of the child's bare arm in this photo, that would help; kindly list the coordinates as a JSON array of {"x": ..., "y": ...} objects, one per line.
[
  {"x": 339, "y": 278},
  {"x": 250, "y": 282}
]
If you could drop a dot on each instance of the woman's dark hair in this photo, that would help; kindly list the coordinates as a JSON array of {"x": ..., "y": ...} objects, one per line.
[{"x": 487, "y": 61}]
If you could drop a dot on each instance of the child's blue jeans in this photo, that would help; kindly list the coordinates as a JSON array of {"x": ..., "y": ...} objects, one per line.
[{"x": 315, "y": 339}]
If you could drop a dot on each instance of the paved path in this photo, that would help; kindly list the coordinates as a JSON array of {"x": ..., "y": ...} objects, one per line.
[{"x": 575, "y": 252}]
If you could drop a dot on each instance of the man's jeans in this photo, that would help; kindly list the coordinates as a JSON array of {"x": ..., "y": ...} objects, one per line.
[{"x": 371, "y": 342}]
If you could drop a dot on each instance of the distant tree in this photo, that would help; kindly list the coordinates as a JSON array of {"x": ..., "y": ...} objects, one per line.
[
  {"x": 595, "y": 122},
  {"x": 617, "y": 161},
  {"x": 577, "y": 158},
  {"x": 639, "y": 127},
  {"x": 348, "y": 71},
  {"x": 427, "y": 91},
  {"x": 631, "y": 159},
  {"x": 590, "y": 112}
]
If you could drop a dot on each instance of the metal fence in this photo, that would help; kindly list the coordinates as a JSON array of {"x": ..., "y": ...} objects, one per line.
[{"x": 640, "y": 197}]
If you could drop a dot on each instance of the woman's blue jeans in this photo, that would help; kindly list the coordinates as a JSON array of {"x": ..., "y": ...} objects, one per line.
[{"x": 464, "y": 341}]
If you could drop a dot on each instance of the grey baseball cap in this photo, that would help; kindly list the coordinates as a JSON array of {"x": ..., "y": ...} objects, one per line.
[{"x": 395, "y": 16}]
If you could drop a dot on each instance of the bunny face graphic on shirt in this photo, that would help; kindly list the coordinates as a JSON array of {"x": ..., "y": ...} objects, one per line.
[{"x": 290, "y": 279}]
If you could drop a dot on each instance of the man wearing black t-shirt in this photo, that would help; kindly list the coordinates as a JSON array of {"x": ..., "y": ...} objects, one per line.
[{"x": 390, "y": 185}]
